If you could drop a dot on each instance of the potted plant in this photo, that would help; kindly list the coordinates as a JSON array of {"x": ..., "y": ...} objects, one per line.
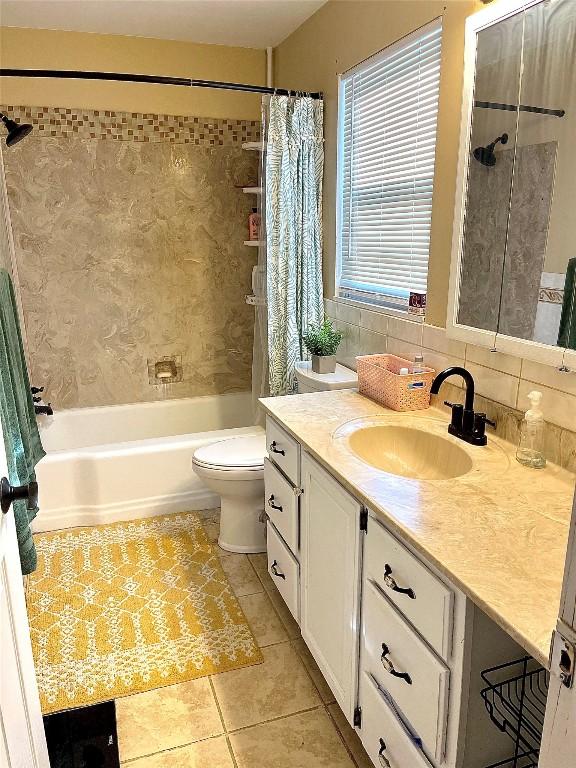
[{"x": 322, "y": 341}]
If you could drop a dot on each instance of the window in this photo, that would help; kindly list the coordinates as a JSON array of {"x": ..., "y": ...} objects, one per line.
[{"x": 387, "y": 139}]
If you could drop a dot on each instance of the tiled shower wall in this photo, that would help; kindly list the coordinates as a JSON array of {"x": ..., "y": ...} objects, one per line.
[
  {"x": 497, "y": 292},
  {"x": 128, "y": 232},
  {"x": 502, "y": 381}
]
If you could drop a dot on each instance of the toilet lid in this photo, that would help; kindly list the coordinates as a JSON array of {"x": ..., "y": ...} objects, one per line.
[{"x": 233, "y": 453}]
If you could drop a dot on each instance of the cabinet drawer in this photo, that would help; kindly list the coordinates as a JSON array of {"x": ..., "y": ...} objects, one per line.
[
  {"x": 284, "y": 571},
  {"x": 415, "y": 591},
  {"x": 281, "y": 504},
  {"x": 283, "y": 450},
  {"x": 385, "y": 738},
  {"x": 402, "y": 664}
]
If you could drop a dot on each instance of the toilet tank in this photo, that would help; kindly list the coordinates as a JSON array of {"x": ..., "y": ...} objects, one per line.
[{"x": 308, "y": 381}]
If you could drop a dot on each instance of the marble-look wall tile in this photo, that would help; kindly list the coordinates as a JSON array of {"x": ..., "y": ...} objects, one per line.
[
  {"x": 374, "y": 321},
  {"x": 526, "y": 238},
  {"x": 497, "y": 361},
  {"x": 485, "y": 242},
  {"x": 371, "y": 342},
  {"x": 350, "y": 345},
  {"x": 558, "y": 407},
  {"x": 128, "y": 251}
]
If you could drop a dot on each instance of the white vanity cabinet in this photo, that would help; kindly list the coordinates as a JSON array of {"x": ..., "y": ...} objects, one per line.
[
  {"x": 399, "y": 645},
  {"x": 330, "y": 556}
]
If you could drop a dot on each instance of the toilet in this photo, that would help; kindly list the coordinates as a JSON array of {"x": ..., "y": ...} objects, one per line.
[{"x": 234, "y": 469}]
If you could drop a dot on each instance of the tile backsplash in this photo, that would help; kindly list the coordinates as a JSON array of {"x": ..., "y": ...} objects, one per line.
[
  {"x": 502, "y": 381},
  {"x": 64, "y": 122}
]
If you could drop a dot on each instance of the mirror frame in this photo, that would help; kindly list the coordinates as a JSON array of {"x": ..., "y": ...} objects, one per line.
[{"x": 531, "y": 350}]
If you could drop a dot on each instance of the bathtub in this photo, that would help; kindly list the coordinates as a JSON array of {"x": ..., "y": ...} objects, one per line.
[{"x": 130, "y": 461}]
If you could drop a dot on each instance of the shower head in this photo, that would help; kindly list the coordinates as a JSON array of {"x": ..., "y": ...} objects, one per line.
[
  {"x": 485, "y": 155},
  {"x": 15, "y": 131}
]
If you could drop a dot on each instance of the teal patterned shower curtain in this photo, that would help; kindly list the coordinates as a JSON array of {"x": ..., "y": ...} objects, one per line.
[{"x": 294, "y": 168}]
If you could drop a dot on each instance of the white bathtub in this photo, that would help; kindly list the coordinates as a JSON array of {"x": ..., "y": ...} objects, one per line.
[{"x": 129, "y": 461}]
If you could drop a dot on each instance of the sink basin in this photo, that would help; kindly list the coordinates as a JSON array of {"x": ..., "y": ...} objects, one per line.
[{"x": 409, "y": 452}]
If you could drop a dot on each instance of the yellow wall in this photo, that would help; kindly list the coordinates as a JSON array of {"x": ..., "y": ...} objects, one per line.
[
  {"x": 46, "y": 49},
  {"x": 343, "y": 33}
]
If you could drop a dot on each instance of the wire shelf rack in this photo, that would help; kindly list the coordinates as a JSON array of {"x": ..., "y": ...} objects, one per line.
[
  {"x": 515, "y": 698},
  {"x": 526, "y": 760}
]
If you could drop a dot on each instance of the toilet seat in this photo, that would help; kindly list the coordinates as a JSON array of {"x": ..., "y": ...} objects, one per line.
[{"x": 236, "y": 454}]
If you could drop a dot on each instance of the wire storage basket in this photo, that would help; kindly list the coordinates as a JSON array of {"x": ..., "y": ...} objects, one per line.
[
  {"x": 515, "y": 698},
  {"x": 379, "y": 378}
]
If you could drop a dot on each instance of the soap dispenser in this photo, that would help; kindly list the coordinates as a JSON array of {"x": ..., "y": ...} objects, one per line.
[{"x": 530, "y": 450}]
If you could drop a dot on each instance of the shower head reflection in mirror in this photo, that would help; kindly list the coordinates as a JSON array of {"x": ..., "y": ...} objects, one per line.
[{"x": 486, "y": 155}]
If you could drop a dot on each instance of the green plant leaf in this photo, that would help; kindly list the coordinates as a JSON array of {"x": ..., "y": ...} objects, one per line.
[{"x": 322, "y": 340}]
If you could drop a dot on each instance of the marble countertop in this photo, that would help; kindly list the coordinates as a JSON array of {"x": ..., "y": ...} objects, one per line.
[{"x": 499, "y": 532}]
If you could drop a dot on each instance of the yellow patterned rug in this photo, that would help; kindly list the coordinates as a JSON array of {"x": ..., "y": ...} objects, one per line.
[{"x": 123, "y": 608}]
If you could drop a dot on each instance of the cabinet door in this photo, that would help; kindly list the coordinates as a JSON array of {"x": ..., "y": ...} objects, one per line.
[{"x": 330, "y": 580}]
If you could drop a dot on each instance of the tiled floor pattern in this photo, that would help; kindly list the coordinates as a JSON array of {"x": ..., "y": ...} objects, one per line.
[{"x": 280, "y": 714}]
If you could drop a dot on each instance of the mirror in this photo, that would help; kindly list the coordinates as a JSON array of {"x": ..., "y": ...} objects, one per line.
[{"x": 517, "y": 259}]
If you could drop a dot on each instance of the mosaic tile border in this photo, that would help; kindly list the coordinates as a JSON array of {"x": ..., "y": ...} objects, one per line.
[{"x": 65, "y": 122}]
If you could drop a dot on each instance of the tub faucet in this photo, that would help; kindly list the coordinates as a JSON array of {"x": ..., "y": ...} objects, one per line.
[
  {"x": 44, "y": 409},
  {"x": 465, "y": 424}
]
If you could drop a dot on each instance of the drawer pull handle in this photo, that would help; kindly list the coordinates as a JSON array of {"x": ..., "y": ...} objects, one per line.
[
  {"x": 389, "y": 667},
  {"x": 381, "y": 756},
  {"x": 276, "y": 572},
  {"x": 272, "y": 505},
  {"x": 391, "y": 582},
  {"x": 276, "y": 450}
]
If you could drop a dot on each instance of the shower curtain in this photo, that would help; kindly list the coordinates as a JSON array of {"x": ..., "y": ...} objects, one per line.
[{"x": 294, "y": 164}]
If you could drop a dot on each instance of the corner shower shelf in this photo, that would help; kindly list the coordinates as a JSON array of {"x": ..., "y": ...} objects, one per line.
[
  {"x": 252, "y": 190},
  {"x": 254, "y": 243},
  {"x": 254, "y": 146}
]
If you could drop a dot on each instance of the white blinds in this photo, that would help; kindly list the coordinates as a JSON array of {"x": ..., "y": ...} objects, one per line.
[{"x": 388, "y": 110}]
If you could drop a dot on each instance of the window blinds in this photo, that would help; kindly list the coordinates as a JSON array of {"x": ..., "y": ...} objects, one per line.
[{"x": 387, "y": 125}]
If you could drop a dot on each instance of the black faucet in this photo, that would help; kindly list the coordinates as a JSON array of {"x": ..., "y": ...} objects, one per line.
[{"x": 465, "y": 423}]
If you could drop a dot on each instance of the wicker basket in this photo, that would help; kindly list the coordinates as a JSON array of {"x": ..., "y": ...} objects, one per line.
[{"x": 379, "y": 379}]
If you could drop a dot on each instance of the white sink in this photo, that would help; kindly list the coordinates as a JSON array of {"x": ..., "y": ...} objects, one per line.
[{"x": 409, "y": 452}]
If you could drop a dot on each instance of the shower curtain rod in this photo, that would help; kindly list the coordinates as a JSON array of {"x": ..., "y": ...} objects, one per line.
[
  {"x": 521, "y": 108},
  {"x": 65, "y": 74}
]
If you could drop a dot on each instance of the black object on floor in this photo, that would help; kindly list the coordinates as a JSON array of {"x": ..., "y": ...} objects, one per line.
[{"x": 83, "y": 738}]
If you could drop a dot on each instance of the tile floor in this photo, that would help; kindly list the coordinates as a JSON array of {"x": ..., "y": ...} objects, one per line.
[{"x": 279, "y": 714}]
